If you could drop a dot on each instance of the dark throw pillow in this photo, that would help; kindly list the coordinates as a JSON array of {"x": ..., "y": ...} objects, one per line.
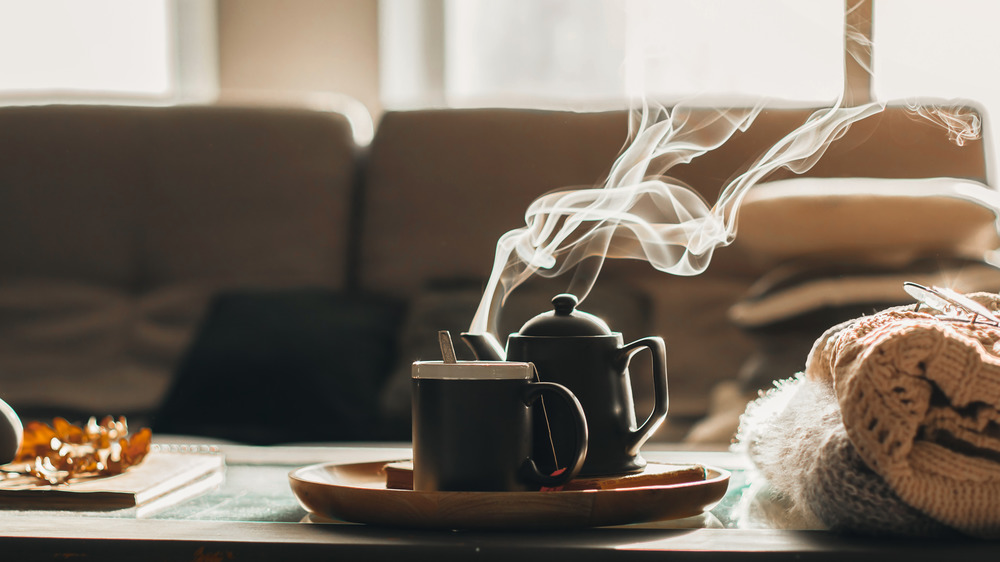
[{"x": 279, "y": 366}]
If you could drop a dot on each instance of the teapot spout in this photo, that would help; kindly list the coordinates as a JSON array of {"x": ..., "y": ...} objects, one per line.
[{"x": 484, "y": 346}]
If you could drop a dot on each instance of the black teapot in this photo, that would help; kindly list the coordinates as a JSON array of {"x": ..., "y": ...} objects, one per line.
[{"x": 579, "y": 351}]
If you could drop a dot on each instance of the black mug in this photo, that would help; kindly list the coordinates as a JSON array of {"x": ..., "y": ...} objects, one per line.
[{"x": 472, "y": 427}]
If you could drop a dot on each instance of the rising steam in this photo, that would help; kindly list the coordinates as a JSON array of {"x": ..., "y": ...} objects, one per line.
[{"x": 642, "y": 213}]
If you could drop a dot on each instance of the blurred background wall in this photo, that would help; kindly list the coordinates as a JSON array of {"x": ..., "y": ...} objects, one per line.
[{"x": 273, "y": 45}]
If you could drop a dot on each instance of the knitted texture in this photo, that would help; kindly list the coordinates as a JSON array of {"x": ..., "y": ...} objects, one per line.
[
  {"x": 795, "y": 436},
  {"x": 915, "y": 424}
]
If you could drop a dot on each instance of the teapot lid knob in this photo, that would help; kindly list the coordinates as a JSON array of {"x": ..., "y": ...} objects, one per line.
[
  {"x": 564, "y": 304},
  {"x": 565, "y": 320}
]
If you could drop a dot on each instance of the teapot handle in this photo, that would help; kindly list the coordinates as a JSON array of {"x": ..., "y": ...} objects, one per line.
[{"x": 661, "y": 400}]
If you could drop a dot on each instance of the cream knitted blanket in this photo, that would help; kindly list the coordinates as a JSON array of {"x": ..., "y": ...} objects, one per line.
[{"x": 905, "y": 405}]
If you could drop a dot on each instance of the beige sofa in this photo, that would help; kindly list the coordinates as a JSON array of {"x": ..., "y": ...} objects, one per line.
[{"x": 249, "y": 273}]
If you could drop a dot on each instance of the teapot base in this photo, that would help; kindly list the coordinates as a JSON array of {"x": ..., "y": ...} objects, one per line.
[{"x": 631, "y": 466}]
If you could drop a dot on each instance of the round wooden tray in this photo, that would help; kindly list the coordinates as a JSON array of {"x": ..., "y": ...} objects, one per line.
[{"x": 357, "y": 493}]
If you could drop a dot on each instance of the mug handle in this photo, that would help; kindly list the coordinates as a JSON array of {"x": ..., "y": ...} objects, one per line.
[
  {"x": 661, "y": 400},
  {"x": 533, "y": 391}
]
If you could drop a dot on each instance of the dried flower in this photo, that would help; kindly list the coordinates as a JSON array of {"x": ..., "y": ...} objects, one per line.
[{"x": 63, "y": 451}]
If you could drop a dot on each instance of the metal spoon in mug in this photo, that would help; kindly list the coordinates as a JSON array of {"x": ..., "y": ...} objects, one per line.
[{"x": 447, "y": 347}]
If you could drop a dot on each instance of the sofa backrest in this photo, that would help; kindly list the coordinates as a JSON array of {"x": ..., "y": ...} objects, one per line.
[
  {"x": 118, "y": 224},
  {"x": 443, "y": 185}
]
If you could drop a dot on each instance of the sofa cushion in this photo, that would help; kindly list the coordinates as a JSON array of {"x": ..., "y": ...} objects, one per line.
[
  {"x": 883, "y": 221},
  {"x": 117, "y": 224},
  {"x": 443, "y": 185},
  {"x": 70, "y": 182},
  {"x": 247, "y": 195},
  {"x": 136, "y": 197},
  {"x": 74, "y": 349}
]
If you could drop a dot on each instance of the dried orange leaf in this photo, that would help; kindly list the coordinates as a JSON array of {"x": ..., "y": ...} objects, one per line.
[
  {"x": 55, "y": 454},
  {"x": 68, "y": 432},
  {"x": 36, "y": 441},
  {"x": 138, "y": 446}
]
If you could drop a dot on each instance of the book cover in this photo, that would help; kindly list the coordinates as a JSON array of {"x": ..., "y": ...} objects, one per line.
[{"x": 158, "y": 477}]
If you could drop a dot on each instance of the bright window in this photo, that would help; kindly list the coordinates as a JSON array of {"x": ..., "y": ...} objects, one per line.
[
  {"x": 121, "y": 50},
  {"x": 589, "y": 54},
  {"x": 582, "y": 52},
  {"x": 780, "y": 49},
  {"x": 924, "y": 51}
]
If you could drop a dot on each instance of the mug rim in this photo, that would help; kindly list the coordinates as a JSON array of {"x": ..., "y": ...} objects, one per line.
[{"x": 491, "y": 370}]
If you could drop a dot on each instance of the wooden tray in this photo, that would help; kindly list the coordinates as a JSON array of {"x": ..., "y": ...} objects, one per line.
[{"x": 357, "y": 493}]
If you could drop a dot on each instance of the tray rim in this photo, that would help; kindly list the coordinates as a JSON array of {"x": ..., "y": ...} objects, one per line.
[{"x": 580, "y": 508}]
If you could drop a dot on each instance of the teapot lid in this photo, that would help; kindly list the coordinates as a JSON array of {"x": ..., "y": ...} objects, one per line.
[{"x": 565, "y": 320}]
